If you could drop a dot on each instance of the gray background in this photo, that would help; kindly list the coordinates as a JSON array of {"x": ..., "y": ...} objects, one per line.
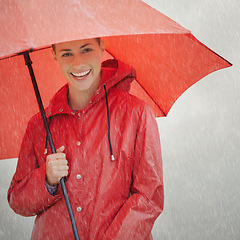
[{"x": 200, "y": 138}]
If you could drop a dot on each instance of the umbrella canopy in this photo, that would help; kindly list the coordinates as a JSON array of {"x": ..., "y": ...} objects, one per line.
[{"x": 168, "y": 59}]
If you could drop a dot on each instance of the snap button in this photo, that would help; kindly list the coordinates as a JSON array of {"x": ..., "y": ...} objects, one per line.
[
  {"x": 49, "y": 113},
  {"x": 78, "y": 176},
  {"x": 79, "y": 209},
  {"x": 90, "y": 101},
  {"x": 78, "y": 143},
  {"x": 61, "y": 110},
  {"x": 83, "y": 111},
  {"x": 73, "y": 113}
]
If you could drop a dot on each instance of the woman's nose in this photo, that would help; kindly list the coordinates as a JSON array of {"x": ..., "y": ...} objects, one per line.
[{"x": 78, "y": 61}]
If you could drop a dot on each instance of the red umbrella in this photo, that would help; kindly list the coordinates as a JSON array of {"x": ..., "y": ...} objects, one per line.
[{"x": 168, "y": 59}]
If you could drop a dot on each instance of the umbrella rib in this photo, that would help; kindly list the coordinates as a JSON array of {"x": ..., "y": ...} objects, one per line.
[
  {"x": 194, "y": 39},
  {"x": 143, "y": 89},
  {"x": 151, "y": 98},
  {"x": 22, "y": 53}
]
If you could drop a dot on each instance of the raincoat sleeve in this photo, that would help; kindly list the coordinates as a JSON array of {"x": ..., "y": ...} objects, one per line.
[
  {"x": 27, "y": 194},
  {"x": 136, "y": 217}
]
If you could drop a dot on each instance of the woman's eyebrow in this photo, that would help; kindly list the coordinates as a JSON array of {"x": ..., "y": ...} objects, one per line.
[
  {"x": 68, "y": 50},
  {"x": 84, "y": 45},
  {"x": 63, "y": 50}
]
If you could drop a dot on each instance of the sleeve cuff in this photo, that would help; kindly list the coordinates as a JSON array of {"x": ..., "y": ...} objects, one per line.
[{"x": 51, "y": 189}]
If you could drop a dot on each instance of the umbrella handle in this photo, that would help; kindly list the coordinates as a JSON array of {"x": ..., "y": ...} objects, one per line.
[{"x": 28, "y": 62}]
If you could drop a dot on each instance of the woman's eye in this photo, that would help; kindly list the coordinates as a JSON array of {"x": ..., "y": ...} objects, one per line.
[
  {"x": 66, "y": 55},
  {"x": 86, "y": 50}
]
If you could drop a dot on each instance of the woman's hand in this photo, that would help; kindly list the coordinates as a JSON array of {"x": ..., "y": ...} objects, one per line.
[{"x": 56, "y": 166}]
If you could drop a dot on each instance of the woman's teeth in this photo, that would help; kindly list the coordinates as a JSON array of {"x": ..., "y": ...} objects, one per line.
[{"x": 81, "y": 74}]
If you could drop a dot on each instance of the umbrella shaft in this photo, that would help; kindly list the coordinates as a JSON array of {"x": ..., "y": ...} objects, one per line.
[
  {"x": 41, "y": 108},
  {"x": 39, "y": 100}
]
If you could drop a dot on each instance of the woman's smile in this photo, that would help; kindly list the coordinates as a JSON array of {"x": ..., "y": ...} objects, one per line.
[{"x": 81, "y": 75}]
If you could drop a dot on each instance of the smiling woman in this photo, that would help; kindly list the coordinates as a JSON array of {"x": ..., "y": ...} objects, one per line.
[{"x": 115, "y": 188}]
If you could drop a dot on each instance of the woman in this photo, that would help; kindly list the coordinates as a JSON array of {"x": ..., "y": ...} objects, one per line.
[{"x": 108, "y": 150}]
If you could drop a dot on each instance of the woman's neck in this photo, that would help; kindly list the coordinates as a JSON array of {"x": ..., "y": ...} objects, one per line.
[{"x": 78, "y": 100}]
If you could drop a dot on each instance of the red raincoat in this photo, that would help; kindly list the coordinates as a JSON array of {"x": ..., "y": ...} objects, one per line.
[{"x": 118, "y": 199}]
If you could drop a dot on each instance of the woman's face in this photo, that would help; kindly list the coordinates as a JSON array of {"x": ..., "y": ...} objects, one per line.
[{"x": 80, "y": 62}]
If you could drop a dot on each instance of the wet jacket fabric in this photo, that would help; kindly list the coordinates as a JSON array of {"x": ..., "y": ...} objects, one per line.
[{"x": 117, "y": 199}]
